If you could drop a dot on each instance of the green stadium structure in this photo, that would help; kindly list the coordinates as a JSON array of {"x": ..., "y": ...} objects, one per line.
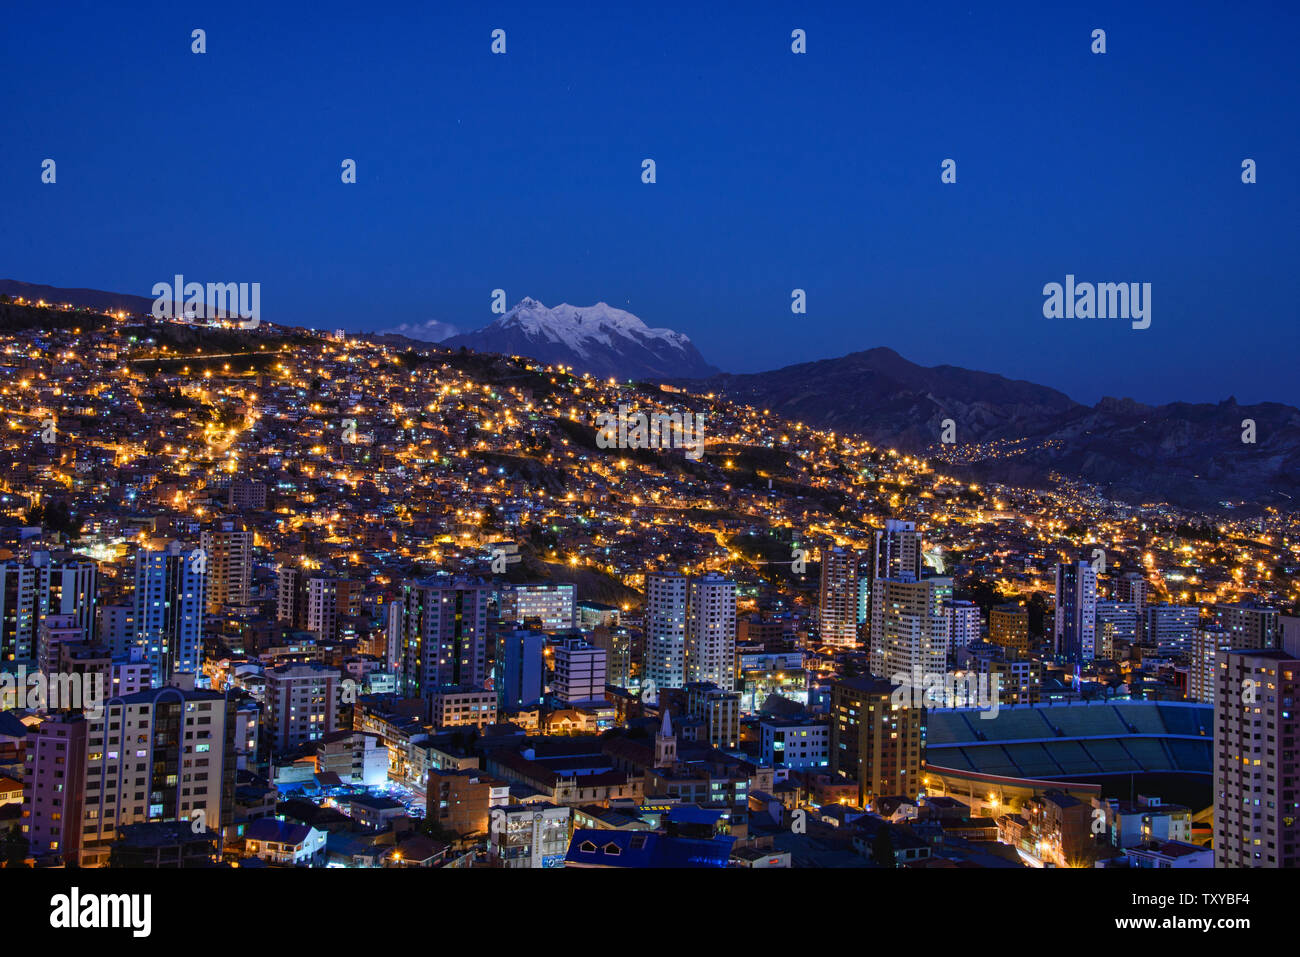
[{"x": 1050, "y": 742}]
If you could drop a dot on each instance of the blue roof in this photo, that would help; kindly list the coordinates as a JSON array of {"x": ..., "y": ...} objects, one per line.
[
  {"x": 273, "y": 829},
  {"x": 604, "y": 848},
  {"x": 690, "y": 814}
]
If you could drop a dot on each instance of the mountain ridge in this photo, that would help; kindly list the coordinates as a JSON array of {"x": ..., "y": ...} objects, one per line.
[
  {"x": 1019, "y": 432},
  {"x": 1009, "y": 430}
]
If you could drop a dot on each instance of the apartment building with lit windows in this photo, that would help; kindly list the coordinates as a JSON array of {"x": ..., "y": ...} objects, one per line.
[
  {"x": 875, "y": 742},
  {"x": 165, "y": 754},
  {"x": 1256, "y": 761}
]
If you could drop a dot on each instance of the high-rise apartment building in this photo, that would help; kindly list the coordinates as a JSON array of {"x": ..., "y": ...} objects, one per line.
[
  {"x": 1009, "y": 628},
  {"x": 117, "y": 628},
  {"x": 1132, "y": 588},
  {"x": 1076, "y": 611},
  {"x": 229, "y": 553},
  {"x": 711, "y": 631},
  {"x": 875, "y": 742},
  {"x": 170, "y": 601},
  {"x": 1118, "y": 622},
  {"x": 43, "y": 585},
  {"x": 896, "y": 554},
  {"x": 291, "y": 596},
  {"x": 302, "y": 703},
  {"x": 327, "y": 601},
  {"x": 909, "y": 627},
  {"x": 896, "y": 551},
  {"x": 161, "y": 755},
  {"x": 664, "y": 662},
  {"x": 1208, "y": 644},
  {"x": 963, "y": 624},
  {"x": 838, "y": 599},
  {"x": 54, "y": 788},
  {"x": 551, "y": 604},
  {"x": 617, "y": 644},
  {"x": 718, "y": 709},
  {"x": 439, "y": 635},
  {"x": 1256, "y": 762},
  {"x": 1250, "y": 625},
  {"x": 521, "y": 668},
  {"x": 1172, "y": 628},
  {"x": 315, "y": 603},
  {"x": 56, "y": 631}
]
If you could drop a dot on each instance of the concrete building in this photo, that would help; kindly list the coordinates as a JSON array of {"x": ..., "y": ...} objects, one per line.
[
  {"x": 909, "y": 628},
  {"x": 1132, "y": 823},
  {"x": 1019, "y": 680},
  {"x": 719, "y": 709},
  {"x": 1209, "y": 641},
  {"x": 170, "y": 602},
  {"x": 875, "y": 742},
  {"x": 54, "y": 632},
  {"x": 41, "y": 586},
  {"x": 665, "y": 630},
  {"x": 521, "y": 668},
  {"x": 453, "y": 706},
  {"x": 1117, "y": 622},
  {"x": 711, "y": 631},
  {"x": 229, "y": 551},
  {"x": 117, "y": 628},
  {"x": 1009, "y": 628},
  {"x": 530, "y": 835},
  {"x": 616, "y": 642},
  {"x": 1249, "y": 625},
  {"x": 579, "y": 674},
  {"x": 795, "y": 745},
  {"x": 328, "y": 601},
  {"x": 963, "y": 624},
  {"x": 1076, "y": 611},
  {"x": 247, "y": 496},
  {"x": 438, "y": 635},
  {"x": 1132, "y": 589},
  {"x": 838, "y": 617},
  {"x": 1256, "y": 766},
  {"x": 462, "y": 800},
  {"x": 1172, "y": 628},
  {"x": 302, "y": 704},
  {"x": 355, "y": 756},
  {"x": 160, "y": 755},
  {"x": 896, "y": 551},
  {"x": 551, "y": 604},
  {"x": 55, "y": 783}
]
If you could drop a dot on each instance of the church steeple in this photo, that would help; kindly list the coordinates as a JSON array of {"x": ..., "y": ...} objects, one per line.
[{"x": 666, "y": 744}]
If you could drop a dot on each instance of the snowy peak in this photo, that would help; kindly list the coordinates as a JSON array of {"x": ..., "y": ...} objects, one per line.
[
  {"x": 599, "y": 339},
  {"x": 572, "y": 325}
]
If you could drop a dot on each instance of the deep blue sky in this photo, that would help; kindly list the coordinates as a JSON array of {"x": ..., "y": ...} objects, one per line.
[{"x": 775, "y": 171}]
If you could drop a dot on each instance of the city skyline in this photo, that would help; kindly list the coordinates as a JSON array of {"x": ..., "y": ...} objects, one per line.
[{"x": 657, "y": 441}]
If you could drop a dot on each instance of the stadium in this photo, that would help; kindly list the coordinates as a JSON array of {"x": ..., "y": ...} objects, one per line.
[{"x": 1109, "y": 749}]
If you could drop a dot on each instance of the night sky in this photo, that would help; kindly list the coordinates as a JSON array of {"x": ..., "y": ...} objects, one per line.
[{"x": 775, "y": 171}]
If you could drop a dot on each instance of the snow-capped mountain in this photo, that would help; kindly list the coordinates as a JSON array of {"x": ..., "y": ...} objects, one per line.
[
  {"x": 598, "y": 339},
  {"x": 435, "y": 330}
]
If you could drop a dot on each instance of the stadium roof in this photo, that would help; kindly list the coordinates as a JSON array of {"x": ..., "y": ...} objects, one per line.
[{"x": 1073, "y": 740}]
